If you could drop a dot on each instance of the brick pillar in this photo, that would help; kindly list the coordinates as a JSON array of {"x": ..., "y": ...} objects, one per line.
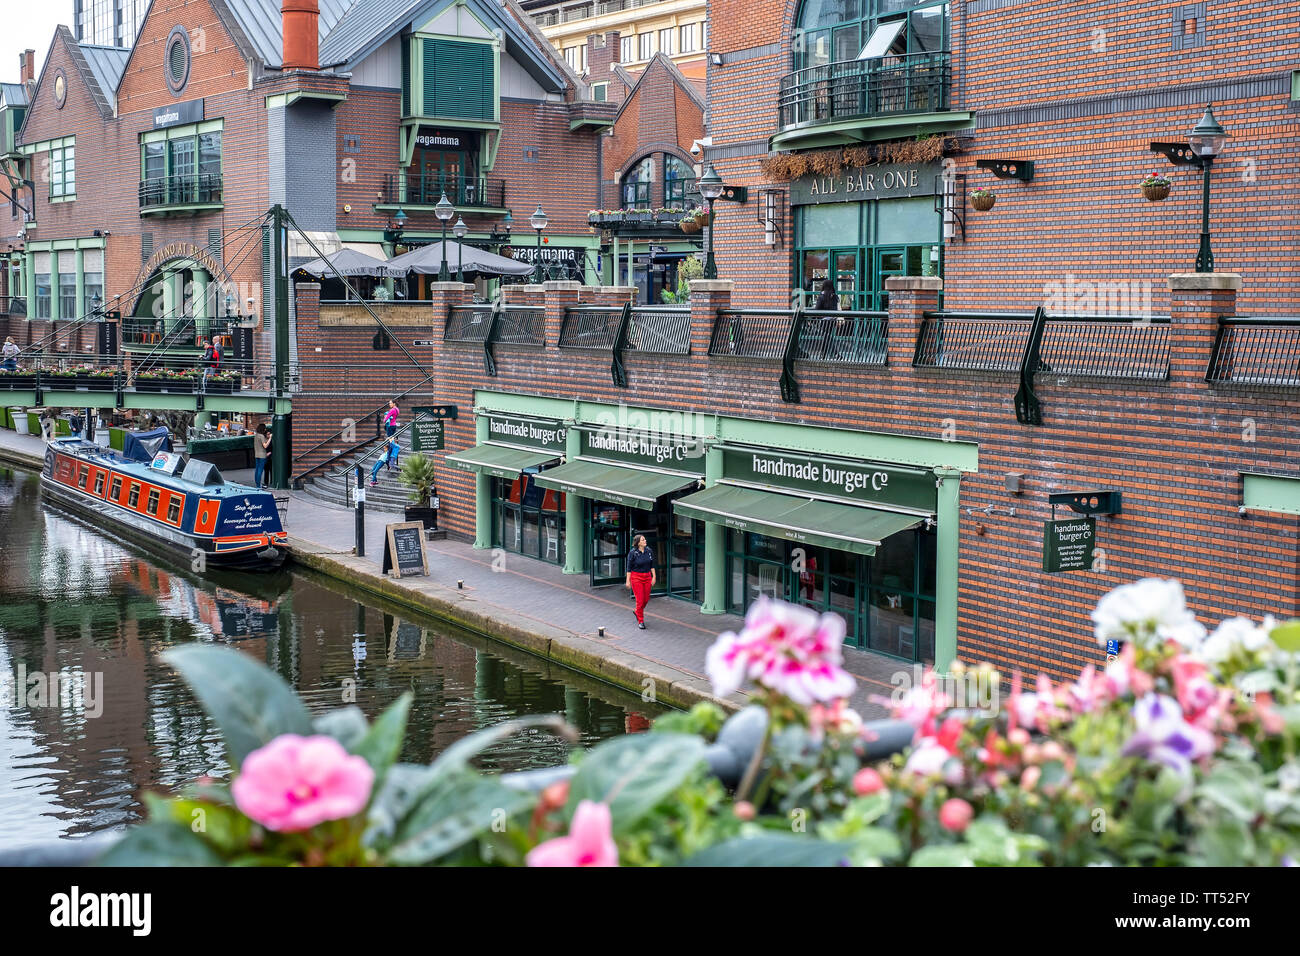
[
  {"x": 443, "y": 297},
  {"x": 608, "y": 294},
  {"x": 1197, "y": 301},
  {"x": 558, "y": 297},
  {"x": 910, "y": 297},
  {"x": 523, "y": 294},
  {"x": 707, "y": 297}
]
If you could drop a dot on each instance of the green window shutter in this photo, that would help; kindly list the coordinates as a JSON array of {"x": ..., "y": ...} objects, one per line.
[
  {"x": 459, "y": 79},
  {"x": 406, "y": 78},
  {"x": 268, "y": 297}
]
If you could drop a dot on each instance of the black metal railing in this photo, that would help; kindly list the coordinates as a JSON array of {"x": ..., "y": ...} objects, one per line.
[
  {"x": 1256, "y": 351},
  {"x": 590, "y": 327},
  {"x": 914, "y": 83},
  {"x": 751, "y": 333},
  {"x": 469, "y": 323},
  {"x": 197, "y": 189},
  {"x": 182, "y": 333},
  {"x": 844, "y": 338},
  {"x": 662, "y": 329},
  {"x": 1113, "y": 346},
  {"x": 520, "y": 325},
  {"x": 973, "y": 341},
  {"x": 426, "y": 189},
  {"x": 13, "y": 305}
]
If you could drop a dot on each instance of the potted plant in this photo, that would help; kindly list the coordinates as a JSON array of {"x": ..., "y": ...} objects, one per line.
[
  {"x": 224, "y": 383},
  {"x": 418, "y": 474},
  {"x": 1156, "y": 187},
  {"x": 100, "y": 379},
  {"x": 690, "y": 225},
  {"x": 983, "y": 199}
]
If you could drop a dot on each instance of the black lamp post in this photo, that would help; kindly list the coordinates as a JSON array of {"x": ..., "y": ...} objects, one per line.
[
  {"x": 538, "y": 221},
  {"x": 459, "y": 231},
  {"x": 711, "y": 187},
  {"x": 444, "y": 211},
  {"x": 1206, "y": 142}
]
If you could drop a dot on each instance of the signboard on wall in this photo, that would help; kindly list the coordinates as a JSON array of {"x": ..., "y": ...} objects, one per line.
[
  {"x": 1068, "y": 545},
  {"x": 858, "y": 183},
  {"x": 568, "y": 255},
  {"x": 649, "y": 449},
  {"x": 540, "y": 433},
  {"x": 177, "y": 114},
  {"x": 426, "y": 434},
  {"x": 859, "y": 482}
]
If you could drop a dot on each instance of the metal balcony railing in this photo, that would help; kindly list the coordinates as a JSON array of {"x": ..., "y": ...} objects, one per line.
[
  {"x": 1113, "y": 346},
  {"x": 973, "y": 341},
  {"x": 469, "y": 324},
  {"x": 843, "y": 338},
  {"x": 520, "y": 325},
  {"x": 662, "y": 329},
  {"x": 590, "y": 327},
  {"x": 421, "y": 189},
  {"x": 751, "y": 333},
  {"x": 853, "y": 89},
  {"x": 1256, "y": 351},
  {"x": 198, "y": 189},
  {"x": 13, "y": 305}
]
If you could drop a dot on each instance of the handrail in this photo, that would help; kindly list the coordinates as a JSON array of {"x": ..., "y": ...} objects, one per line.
[
  {"x": 1261, "y": 351},
  {"x": 789, "y": 384},
  {"x": 617, "y": 371},
  {"x": 1028, "y": 409}
]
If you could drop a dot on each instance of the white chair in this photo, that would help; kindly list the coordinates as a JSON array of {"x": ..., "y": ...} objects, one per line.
[
  {"x": 552, "y": 539},
  {"x": 769, "y": 581}
]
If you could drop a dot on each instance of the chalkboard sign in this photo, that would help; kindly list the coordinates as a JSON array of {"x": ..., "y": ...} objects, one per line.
[
  {"x": 1068, "y": 545},
  {"x": 404, "y": 549}
]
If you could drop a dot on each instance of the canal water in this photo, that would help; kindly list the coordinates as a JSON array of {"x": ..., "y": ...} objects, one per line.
[{"x": 77, "y": 601}]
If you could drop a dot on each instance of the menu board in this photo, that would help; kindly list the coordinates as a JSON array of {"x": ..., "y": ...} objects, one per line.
[{"x": 404, "y": 549}]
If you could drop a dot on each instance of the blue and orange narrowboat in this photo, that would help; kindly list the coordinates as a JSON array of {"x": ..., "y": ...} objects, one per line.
[{"x": 181, "y": 504}]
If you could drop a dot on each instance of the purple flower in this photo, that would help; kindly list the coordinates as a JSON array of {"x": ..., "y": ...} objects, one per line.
[{"x": 1164, "y": 736}]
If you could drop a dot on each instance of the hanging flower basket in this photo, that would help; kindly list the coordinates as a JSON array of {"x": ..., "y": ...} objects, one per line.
[
  {"x": 691, "y": 225},
  {"x": 983, "y": 199},
  {"x": 1156, "y": 188}
]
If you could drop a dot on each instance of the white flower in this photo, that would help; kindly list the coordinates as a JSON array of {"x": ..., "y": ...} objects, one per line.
[
  {"x": 1235, "y": 635},
  {"x": 928, "y": 759},
  {"x": 1148, "y": 611}
]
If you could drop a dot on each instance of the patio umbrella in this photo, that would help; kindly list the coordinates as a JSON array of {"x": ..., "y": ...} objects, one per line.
[
  {"x": 427, "y": 260},
  {"x": 350, "y": 263}
]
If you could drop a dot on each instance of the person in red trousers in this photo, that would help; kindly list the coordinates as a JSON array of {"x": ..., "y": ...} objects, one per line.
[{"x": 640, "y": 575}]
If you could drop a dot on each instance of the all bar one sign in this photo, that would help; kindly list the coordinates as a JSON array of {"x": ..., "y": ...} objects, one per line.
[{"x": 866, "y": 182}]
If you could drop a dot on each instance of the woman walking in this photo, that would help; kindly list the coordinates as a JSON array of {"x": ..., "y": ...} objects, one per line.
[
  {"x": 640, "y": 575},
  {"x": 261, "y": 448},
  {"x": 390, "y": 418}
]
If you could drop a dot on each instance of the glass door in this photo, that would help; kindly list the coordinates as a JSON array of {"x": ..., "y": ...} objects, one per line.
[
  {"x": 609, "y": 543},
  {"x": 685, "y": 558},
  {"x": 887, "y": 261},
  {"x": 846, "y": 278}
]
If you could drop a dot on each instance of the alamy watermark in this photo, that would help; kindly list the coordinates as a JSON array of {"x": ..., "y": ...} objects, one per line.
[{"x": 61, "y": 689}]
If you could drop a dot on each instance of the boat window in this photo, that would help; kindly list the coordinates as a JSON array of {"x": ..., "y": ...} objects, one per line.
[
  {"x": 115, "y": 488},
  {"x": 99, "y": 484},
  {"x": 134, "y": 498},
  {"x": 174, "y": 509},
  {"x": 81, "y": 478},
  {"x": 152, "y": 506}
]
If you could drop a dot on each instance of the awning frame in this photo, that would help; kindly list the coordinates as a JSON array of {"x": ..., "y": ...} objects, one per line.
[
  {"x": 620, "y": 497},
  {"x": 498, "y": 470}
]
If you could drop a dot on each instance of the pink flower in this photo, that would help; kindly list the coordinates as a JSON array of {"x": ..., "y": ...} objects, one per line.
[
  {"x": 590, "y": 841},
  {"x": 955, "y": 815},
  {"x": 294, "y": 783},
  {"x": 785, "y": 648},
  {"x": 866, "y": 782}
]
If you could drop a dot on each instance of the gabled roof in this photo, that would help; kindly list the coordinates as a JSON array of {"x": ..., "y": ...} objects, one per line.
[
  {"x": 263, "y": 26},
  {"x": 106, "y": 67},
  {"x": 677, "y": 76},
  {"x": 107, "y": 64}
]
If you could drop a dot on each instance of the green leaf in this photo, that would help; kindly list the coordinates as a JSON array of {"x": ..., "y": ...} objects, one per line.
[
  {"x": 459, "y": 808},
  {"x": 160, "y": 844},
  {"x": 634, "y": 773},
  {"x": 1236, "y": 788},
  {"x": 383, "y": 742},
  {"x": 251, "y": 704},
  {"x": 951, "y": 854},
  {"x": 874, "y": 844},
  {"x": 773, "y": 850},
  {"x": 347, "y": 725},
  {"x": 1287, "y": 635},
  {"x": 459, "y": 754}
]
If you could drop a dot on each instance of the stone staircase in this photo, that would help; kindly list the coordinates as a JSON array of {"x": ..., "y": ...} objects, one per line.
[{"x": 334, "y": 486}]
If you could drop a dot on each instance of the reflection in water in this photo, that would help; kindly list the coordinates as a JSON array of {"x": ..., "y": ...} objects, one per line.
[{"x": 74, "y": 602}]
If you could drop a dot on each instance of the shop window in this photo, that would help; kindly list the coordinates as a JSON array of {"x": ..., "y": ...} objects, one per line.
[{"x": 528, "y": 519}]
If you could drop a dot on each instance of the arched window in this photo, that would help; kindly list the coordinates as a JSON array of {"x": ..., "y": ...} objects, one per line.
[
  {"x": 636, "y": 184},
  {"x": 835, "y": 31},
  {"x": 679, "y": 178}
]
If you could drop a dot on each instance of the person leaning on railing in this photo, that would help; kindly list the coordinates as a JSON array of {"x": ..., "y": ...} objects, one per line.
[{"x": 10, "y": 359}]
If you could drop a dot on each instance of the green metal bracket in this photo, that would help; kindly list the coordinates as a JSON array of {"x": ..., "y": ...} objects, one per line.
[
  {"x": 1022, "y": 169},
  {"x": 617, "y": 370},
  {"x": 1180, "y": 154},
  {"x": 734, "y": 194},
  {"x": 790, "y": 384},
  {"x": 489, "y": 360},
  {"x": 1028, "y": 410}
]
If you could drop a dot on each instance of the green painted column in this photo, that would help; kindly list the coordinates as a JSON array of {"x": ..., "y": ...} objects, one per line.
[
  {"x": 201, "y": 302},
  {"x": 482, "y": 493},
  {"x": 54, "y": 286},
  {"x": 948, "y": 533},
  {"x": 715, "y": 549},
  {"x": 80, "y": 260},
  {"x": 574, "y": 544},
  {"x": 170, "y": 303}
]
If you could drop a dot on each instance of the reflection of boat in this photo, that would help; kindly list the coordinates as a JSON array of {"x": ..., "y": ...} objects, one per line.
[{"x": 165, "y": 499}]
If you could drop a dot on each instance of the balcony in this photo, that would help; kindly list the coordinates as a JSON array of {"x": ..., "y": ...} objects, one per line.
[
  {"x": 15, "y": 305},
  {"x": 172, "y": 195},
  {"x": 419, "y": 190},
  {"x": 846, "y": 101}
]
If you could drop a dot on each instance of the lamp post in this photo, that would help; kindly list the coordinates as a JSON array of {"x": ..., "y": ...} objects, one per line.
[
  {"x": 1206, "y": 142},
  {"x": 711, "y": 187},
  {"x": 538, "y": 221},
  {"x": 444, "y": 211},
  {"x": 459, "y": 231}
]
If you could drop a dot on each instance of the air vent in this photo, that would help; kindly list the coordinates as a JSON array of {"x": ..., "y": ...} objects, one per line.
[
  {"x": 215, "y": 244},
  {"x": 146, "y": 246}
]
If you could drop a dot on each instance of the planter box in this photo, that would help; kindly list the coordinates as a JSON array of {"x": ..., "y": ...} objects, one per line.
[
  {"x": 224, "y": 388},
  {"x": 182, "y": 386},
  {"x": 429, "y": 516},
  {"x": 17, "y": 383}
]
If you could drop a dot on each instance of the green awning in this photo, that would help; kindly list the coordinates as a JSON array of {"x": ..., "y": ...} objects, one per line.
[
  {"x": 821, "y": 523},
  {"x": 634, "y": 487},
  {"x": 500, "y": 461}
]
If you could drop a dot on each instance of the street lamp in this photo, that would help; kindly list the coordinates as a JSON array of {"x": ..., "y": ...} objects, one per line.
[
  {"x": 538, "y": 221},
  {"x": 459, "y": 231},
  {"x": 1206, "y": 142},
  {"x": 444, "y": 211},
  {"x": 711, "y": 187}
]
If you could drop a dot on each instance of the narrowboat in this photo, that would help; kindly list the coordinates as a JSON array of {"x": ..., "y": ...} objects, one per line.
[{"x": 180, "y": 504}]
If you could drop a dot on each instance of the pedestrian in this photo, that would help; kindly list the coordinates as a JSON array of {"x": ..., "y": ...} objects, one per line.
[
  {"x": 390, "y": 418},
  {"x": 75, "y": 423},
  {"x": 640, "y": 575},
  {"x": 829, "y": 300},
  {"x": 387, "y": 457},
  {"x": 261, "y": 448},
  {"x": 10, "y": 362},
  {"x": 211, "y": 360}
]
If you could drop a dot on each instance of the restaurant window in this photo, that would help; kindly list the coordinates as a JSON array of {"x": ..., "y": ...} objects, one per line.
[
  {"x": 686, "y": 38},
  {"x": 528, "y": 519},
  {"x": 884, "y": 30},
  {"x": 133, "y": 499},
  {"x": 666, "y": 41},
  {"x": 115, "y": 488},
  {"x": 63, "y": 172},
  {"x": 678, "y": 177},
  {"x": 92, "y": 280},
  {"x": 636, "y": 184},
  {"x": 181, "y": 165},
  {"x": 152, "y": 505},
  {"x": 645, "y": 43},
  {"x": 68, "y": 294}
]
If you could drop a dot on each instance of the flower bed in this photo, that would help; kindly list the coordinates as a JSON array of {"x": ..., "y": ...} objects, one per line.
[{"x": 1182, "y": 750}]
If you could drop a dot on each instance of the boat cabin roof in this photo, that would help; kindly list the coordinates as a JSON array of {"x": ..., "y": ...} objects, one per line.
[{"x": 212, "y": 485}]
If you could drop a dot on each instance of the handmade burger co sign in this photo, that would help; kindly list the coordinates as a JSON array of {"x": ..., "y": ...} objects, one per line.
[
  {"x": 858, "y": 482},
  {"x": 867, "y": 182},
  {"x": 536, "y": 433},
  {"x": 649, "y": 449}
]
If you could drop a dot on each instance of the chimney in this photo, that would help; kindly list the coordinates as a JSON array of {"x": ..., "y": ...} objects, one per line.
[
  {"x": 300, "y": 20},
  {"x": 614, "y": 46},
  {"x": 27, "y": 66}
]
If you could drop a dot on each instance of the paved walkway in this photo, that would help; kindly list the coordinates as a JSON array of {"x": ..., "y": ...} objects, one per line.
[{"x": 530, "y": 604}]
